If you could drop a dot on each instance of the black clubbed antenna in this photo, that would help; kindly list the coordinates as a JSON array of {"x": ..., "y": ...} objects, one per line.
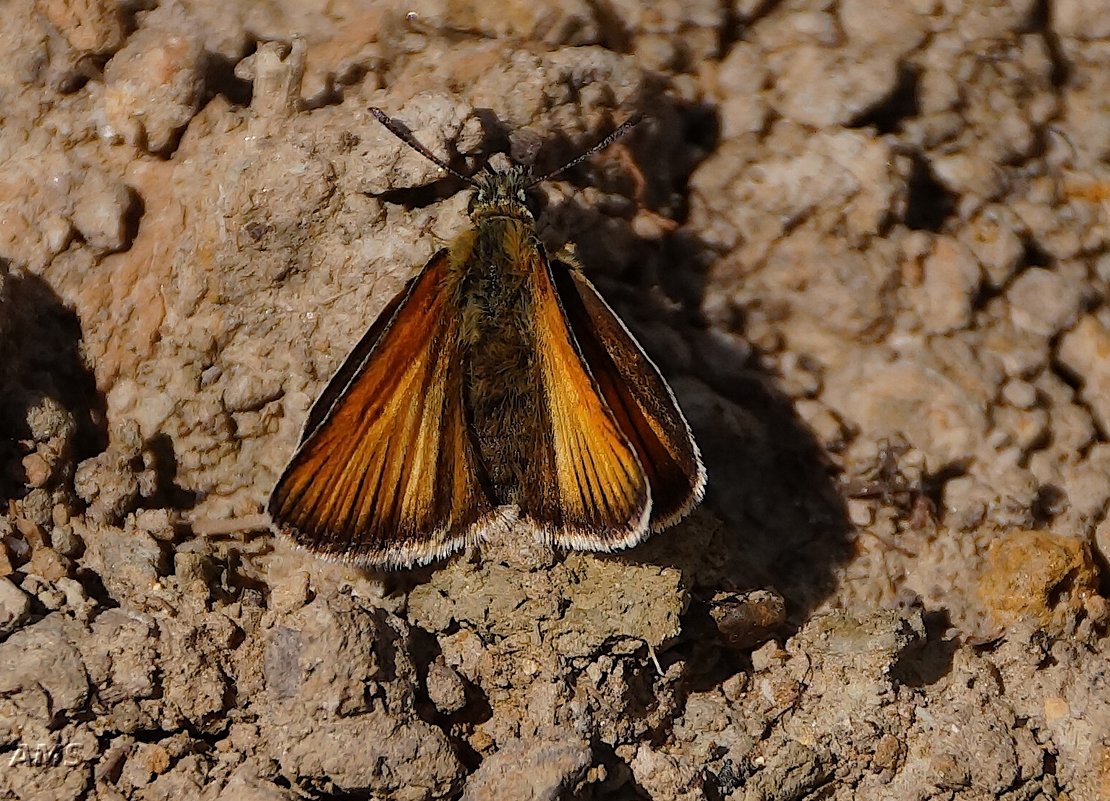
[
  {"x": 620, "y": 131},
  {"x": 405, "y": 135}
]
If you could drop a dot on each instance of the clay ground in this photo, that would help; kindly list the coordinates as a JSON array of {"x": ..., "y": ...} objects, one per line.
[{"x": 866, "y": 241}]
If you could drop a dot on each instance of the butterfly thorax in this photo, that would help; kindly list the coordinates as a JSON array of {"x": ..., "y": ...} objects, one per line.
[{"x": 493, "y": 265}]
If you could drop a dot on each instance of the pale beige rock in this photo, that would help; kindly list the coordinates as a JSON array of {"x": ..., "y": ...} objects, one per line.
[
  {"x": 534, "y": 769},
  {"x": 896, "y": 26},
  {"x": 1043, "y": 302},
  {"x": 102, "y": 212},
  {"x": 90, "y": 26},
  {"x": 965, "y": 173},
  {"x": 15, "y": 607},
  {"x": 1087, "y": 107},
  {"x": 741, "y": 80},
  {"x": 1024, "y": 428},
  {"x": 246, "y": 784},
  {"x": 154, "y": 83},
  {"x": 994, "y": 236},
  {"x": 822, "y": 88},
  {"x": 1085, "y": 350},
  {"x": 1086, "y": 485},
  {"x": 1020, "y": 394},
  {"x": 1084, "y": 19},
  {"x": 902, "y": 398},
  {"x": 951, "y": 276}
]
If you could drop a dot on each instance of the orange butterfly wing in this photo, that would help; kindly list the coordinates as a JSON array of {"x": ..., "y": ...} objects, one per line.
[
  {"x": 640, "y": 399},
  {"x": 597, "y": 496},
  {"x": 387, "y": 476}
]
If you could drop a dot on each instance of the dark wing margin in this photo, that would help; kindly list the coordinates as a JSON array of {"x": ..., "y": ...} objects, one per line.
[{"x": 640, "y": 399}]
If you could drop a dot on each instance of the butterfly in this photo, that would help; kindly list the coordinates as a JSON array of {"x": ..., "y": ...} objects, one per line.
[{"x": 497, "y": 389}]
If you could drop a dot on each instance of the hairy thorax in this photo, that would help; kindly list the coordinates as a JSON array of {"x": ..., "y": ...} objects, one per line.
[{"x": 503, "y": 394}]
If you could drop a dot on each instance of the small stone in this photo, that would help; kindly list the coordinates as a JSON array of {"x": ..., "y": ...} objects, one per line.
[
  {"x": 157, "y": 523},
  {"x": 889, "y": 750},
  {"x": 247, "y": 784},
  {"x": 15, "y": 607},
  {"x": 1043, "y": 302},
  {"x": 909, "y": 399},
  {"x": 49, "y": 564},
  {"x": 102, "y": 212},
  {"x": 861, "y": 513},
  {"x": 1025, "y": 428},
  {"x": 90, "y": 26},
  {"x": 195, "y": 570},
  {"x": 966, "y": 174},
  {"x": 46, "y": 593},
  {"x": 747, "y": 620},
  {"x": 965, "y": 502},
  {"x": 66, "y": 541},
  {"x": 59, "y": 515},
  {"x": 994, "y": 237},
  {"x": 663, "y": 775},
  {"x": 741, "y": 78},
  {"x": 155, "y": 83},
  {"x": 735, "y": 686},
  {"x": 1085, "y": 350},
  {"x": 277, "y": 77},
  {"x": 446, "y": 689},
  {"x": 821, "y": 88},
  {"x": 1019, "y": 394},
  {"x": 1038, "y": 576},
  {"x": 1083, "y": 19},
  {"x": 950, "y": 280},
  {"x": 767, "y": 656},
  {"x": 36, "y": 469},
  {"x": 31, "y": 531},
  {"x": 539, "y": 770},
  {"x": 291, "y": 593},
  {"x": 73, "y": 590}
]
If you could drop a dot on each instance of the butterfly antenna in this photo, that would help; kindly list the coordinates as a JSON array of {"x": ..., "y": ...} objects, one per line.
[
  {"x": 620, "y": 131},
  {"x": 405, "y": 135}
]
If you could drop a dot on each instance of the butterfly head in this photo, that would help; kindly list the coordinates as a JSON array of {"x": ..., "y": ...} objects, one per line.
[{"x": 502, "y": 193}]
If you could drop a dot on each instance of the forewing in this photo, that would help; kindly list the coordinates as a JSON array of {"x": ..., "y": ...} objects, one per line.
[
  {"x": 601, "y": 499},
  {"x": 640, "y": 399},
  {"x": 388, "y": 476}
]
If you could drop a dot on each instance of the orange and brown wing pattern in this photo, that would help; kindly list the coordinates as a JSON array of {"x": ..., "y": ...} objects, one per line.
[
  {"x": 601, "y": 499},
  {"x": 640, "y": 399},
  {"x": 388, "y": 475}
]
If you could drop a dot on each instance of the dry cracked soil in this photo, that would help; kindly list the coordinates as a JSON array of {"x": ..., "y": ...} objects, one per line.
[{"x": 865, "y": 240}]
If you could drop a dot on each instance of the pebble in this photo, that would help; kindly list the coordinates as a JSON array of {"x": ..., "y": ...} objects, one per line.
[
  {"x": 446, "y": 689},
  {"x": 15, "y": 607},
  {"x": 1085, "y": 350},
  {"x": 1043, "y": 302},
  {"x": 535, "y": 769}
]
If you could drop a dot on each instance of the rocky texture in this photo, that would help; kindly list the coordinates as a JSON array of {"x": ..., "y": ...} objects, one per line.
[{"x": 866, "y": 241}]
